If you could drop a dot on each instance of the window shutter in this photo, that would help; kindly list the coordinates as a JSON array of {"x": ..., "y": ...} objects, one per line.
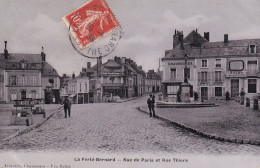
[{"x": 199, "y": 76}]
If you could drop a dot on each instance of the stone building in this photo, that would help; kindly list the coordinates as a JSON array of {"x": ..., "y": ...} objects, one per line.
[
  {"x": 213, "y": 68},
  {"x": 25, "y": 76},
  {"x": 117, "y": 78}
]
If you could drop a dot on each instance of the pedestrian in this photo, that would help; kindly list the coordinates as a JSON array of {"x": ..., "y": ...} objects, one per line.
[
  {"x": 150, "y": 103},
  {"x": 227, "y": 96},
  {"x": 67, "y": 106}
]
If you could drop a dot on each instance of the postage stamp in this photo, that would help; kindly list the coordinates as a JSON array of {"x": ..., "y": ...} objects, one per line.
[{"x": 90, "y": 22}]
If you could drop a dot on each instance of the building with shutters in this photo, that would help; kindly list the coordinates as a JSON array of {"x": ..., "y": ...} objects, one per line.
[
  {"x": 27, "y": 76},
  {"x": 213, "y": 68}
]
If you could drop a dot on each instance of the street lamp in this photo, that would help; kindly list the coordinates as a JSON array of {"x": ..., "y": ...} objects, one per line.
[{"x": 185, "y": 69}]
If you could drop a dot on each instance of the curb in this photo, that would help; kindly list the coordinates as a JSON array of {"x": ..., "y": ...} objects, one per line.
[
  {"x": 29, "y": 128},
  {"x": 205, "y": 135}
]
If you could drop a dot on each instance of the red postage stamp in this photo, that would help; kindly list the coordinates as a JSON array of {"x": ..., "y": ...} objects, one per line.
[{"x": 90, "y": 22}]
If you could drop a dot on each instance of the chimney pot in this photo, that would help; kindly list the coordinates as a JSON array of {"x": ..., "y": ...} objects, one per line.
[
  {"x": 225, "y": 38},
  {"x": 206, "y": 35}
]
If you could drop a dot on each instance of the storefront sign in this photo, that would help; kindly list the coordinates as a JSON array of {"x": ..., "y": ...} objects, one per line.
[
  {"x": 235, "y": 74},
  {"x": 179, "y": 63}
]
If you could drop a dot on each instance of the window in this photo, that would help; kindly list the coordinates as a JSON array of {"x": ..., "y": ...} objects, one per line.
[
  {"x": 187, "y": 71},
  {"x": 13, "y": 95},
  {"x": 204, "y": 76},
  {"x": 80, "y": 87},
  {"x": 252, "y": 49},
  {"x": 23, "y": 80},
  {"x": 252, "y": 66},
  {"x": 173, "y": 74},
  {"x": 33, "y": 80},
  {"x": 204, "y": 63},
  {"x": 251, "y": 85},
  {"x": 218, "y": 91},
  {"x": 104, "y": 79},
  {"x": 112, "y": 79},
  {"x": 33, "y": 94},
  {"x": 218, "y": 76},
  {"x": 1, "y": 78},
  {"x": 218, "y": 63},
  {"x": 13, "y": 80},
  {"x": 86, "y": 87},
  {"x": 172, "y": 89}
]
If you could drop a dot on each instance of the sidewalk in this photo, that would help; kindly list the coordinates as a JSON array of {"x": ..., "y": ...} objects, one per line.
[
  {"x": 8, "y": 131},
  {"x": 131, "y": 98},
  {"x": 229, "y": 121}
]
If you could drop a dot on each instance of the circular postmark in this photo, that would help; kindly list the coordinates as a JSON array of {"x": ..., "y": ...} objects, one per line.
[{"x": 93, "y": 30}]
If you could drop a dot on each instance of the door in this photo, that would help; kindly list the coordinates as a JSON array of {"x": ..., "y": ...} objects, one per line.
[
  {"x": 80, "y": 98},
  {"x": 234, "y": 87},
  {"x": 204, "y": 93}
]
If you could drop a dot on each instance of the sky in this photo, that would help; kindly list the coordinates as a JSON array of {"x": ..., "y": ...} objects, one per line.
[{"x": 148, "y": 27}]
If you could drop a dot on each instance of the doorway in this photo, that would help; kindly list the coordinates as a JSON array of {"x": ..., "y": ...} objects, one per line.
[
  {"x": 234, "y": 87},
  {"x": 204, "y": 93}
]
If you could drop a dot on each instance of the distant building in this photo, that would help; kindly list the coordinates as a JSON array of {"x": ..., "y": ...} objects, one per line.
[
  {"x": 152, "y": 82},
  {"x": 27, "y": 76},
  {"x": 78, "y": 89},
  {"x": 213, "y": 68},
  {"x": 117, "y": 78}
]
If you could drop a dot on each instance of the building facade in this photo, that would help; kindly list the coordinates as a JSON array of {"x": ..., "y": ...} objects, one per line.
[
  {"x": 78, "y": 89},
  {"x": 212, "y": 68},
  {"x": 22, "y": 76}
]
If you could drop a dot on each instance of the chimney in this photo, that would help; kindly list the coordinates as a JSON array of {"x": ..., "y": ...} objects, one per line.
[
  {"x": 123, "y": 60},
  {"x": 177, "y": 38},
  {"x": 88, "y": 65},
  {"x": 6, "y": 51},
  {"x": 225, "y": 38},
  {"x": 84, "y": 70},
  {"x": 43, "y": 55},
  {"x": 206, "y": 35},
  {"x": 64, "y": 75},
  {"x": 73, "y": 75}
]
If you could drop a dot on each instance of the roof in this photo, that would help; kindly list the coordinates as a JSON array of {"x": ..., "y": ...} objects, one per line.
[
  {"x": 48, "y": 70},
  {"x": 213, "y": 49},
  {"x": 30, "y": 58}
]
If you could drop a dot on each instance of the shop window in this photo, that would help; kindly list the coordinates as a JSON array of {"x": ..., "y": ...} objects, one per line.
[{"x": 251, "y": 85}]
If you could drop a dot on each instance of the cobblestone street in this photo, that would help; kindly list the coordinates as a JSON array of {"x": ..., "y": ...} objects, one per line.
[{"x": 118, "y": 128}]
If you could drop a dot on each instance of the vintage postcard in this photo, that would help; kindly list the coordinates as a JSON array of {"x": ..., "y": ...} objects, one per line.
[{"x": 129, "y": 83}]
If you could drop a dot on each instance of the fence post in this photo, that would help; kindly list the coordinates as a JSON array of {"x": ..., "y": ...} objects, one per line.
[{"x": 247, "y": 102}]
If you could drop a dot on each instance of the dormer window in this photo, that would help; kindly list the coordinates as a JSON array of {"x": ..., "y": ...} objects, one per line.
[
  {"x": 252, "y": 49},
  {"x": 23, "y": 64}
]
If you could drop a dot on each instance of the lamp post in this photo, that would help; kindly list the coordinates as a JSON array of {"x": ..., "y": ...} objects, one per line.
[{"x": 185, "y": 69}]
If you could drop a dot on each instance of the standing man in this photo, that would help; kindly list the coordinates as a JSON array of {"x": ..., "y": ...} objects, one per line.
[
  {"x": 67, "y": 106},
  {"x": 150, "y": 103}
]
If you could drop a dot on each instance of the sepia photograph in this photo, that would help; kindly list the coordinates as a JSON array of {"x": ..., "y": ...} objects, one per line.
[{"x": 129, "y": 83}]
